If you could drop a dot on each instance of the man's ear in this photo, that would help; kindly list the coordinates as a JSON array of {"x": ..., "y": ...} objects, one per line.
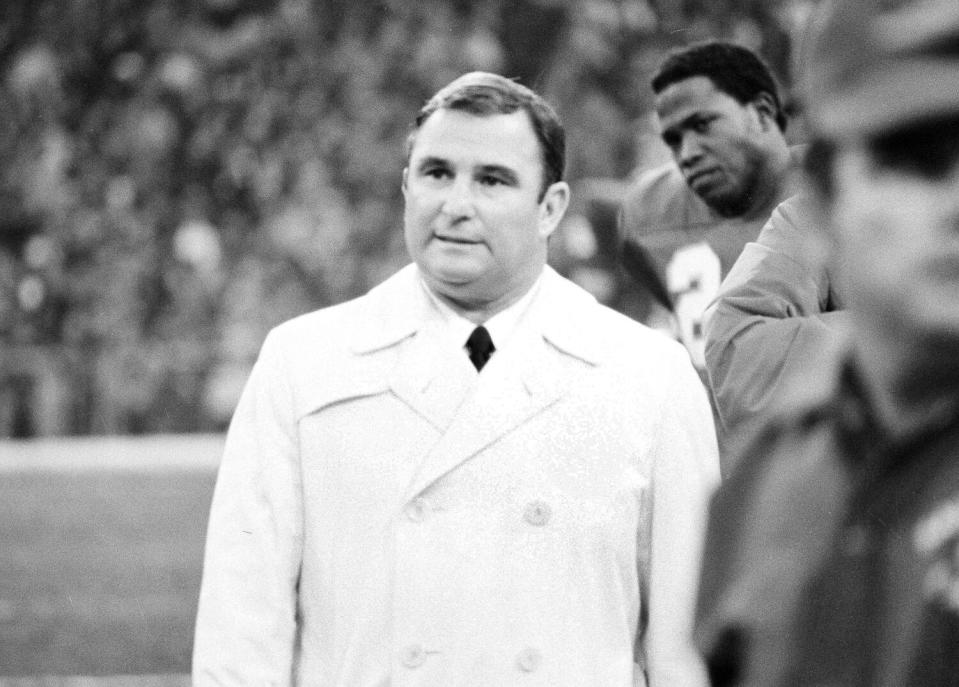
[
  {"x": 766, "y": 108},
  {"x": 552, "y": 207},
  {"x": 406, "y": 173}
]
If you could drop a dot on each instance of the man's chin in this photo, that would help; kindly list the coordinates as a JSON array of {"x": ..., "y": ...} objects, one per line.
[
  {"x": 725, "y": 204},
  {"x": 456, "y": 271},
  {"x": 454, "y": 278},
  {"x": 462, "y": 296},
  {"x": 454, "y": 284}
]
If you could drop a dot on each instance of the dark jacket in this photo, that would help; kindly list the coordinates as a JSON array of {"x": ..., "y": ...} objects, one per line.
[{"x": 833, "y": 550}]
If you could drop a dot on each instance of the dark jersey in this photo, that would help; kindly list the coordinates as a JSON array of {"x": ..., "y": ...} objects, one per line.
[{"x": 691, "y": 247}]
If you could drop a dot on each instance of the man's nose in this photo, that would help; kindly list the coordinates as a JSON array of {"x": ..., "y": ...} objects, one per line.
[
  {"x": 459, "y": 201},
  {"x": 690, "y": 150}
]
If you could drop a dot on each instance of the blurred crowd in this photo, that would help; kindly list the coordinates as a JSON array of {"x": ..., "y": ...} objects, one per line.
[{"x": 178, "y": 177}]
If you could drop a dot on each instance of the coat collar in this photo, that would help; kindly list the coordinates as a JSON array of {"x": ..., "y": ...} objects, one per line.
[
  {"x": 557, "y": 339},
  {"x": 399, "y": 308},
  {"x": 565, "y": 314},
  {"x": 554, "y": 342},
  {"x": 393, "y": 311}
]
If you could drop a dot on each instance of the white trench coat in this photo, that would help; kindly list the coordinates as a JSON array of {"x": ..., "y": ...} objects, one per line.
[{"x": 383, "y": 516}]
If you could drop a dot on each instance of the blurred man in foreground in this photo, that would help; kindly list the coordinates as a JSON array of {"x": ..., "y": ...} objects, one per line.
[
  {"x": 474, "y": 474},
  {"x": 721, "y": 115},
  {"x": 833, "y": 550}
]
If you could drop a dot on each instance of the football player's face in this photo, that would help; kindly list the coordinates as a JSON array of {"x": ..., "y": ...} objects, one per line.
[
  {"x": 714, "y": 141},
  {"x": 895, "y": 213}
]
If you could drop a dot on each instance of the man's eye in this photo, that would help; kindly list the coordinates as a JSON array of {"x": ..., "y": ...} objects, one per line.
[
  {"x": 700, "y": 126},
  {"x": 671, "y": 139},
  {"x": 491, "y": 180},
  {"x": 436, "y": 172},
  {"x": 929, "y": 149}
]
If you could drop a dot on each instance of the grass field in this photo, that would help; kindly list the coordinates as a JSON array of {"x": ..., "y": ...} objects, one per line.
[{"x": 100, "y": 557}]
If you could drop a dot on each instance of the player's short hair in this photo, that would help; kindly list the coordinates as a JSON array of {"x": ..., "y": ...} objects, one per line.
[
  {"x": 483, "y": 93},
  {"x": 733, "y": 69}
]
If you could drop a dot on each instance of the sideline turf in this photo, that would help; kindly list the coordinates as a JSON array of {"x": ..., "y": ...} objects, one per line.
[{"x": 100, "y": 568}]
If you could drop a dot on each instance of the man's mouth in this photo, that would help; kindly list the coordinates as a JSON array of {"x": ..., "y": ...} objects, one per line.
[
  {"x": 703, "y": 177},
  {"x": 456, "y": 239}
]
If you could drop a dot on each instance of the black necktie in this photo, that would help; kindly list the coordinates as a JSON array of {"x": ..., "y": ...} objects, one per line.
[{"x": 480, "y": 347}]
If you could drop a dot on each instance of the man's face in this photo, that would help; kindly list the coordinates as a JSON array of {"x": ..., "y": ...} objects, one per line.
[
  {"x": 715, "y": 141},
  {"x": 895, "y": 213},
  {"x": 475, "y": 223}
]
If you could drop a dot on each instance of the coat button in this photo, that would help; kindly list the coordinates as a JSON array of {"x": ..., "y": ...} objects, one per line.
[
  {"x": 537, "y": 513},
  {"x": 413, "y": 656},
  {"x": 528, "y": 660},
  {"x": 417, "y": 509}
]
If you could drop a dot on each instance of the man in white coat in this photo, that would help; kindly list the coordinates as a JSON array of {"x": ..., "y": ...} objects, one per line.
[{"x": 398, "y": 507}]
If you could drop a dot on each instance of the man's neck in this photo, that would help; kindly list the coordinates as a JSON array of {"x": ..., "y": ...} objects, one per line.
[
  {"x": 774, "y": 183},
  {"x": 479, "y": 311}
]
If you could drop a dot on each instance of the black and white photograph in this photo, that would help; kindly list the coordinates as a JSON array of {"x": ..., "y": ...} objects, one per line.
[{"x": 479, "y": 343}]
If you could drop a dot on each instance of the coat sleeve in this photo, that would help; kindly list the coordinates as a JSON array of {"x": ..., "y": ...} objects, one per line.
[
  {"x": 245, "y": 628},
  {"x": 685, "y": 473},
  {"x": 775, "y": 308}
]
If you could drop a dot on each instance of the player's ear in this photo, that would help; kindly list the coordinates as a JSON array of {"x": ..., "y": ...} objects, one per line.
[{"x": 766, "y": 109}]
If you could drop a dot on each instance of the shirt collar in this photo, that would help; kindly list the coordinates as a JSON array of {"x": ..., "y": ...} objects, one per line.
[{"x": 400, "y": 306}]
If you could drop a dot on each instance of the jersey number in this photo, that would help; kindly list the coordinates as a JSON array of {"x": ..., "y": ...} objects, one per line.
[{"x": 693, "y": 276}]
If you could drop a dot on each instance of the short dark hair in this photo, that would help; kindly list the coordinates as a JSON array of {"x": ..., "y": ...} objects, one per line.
[
  {"x": 733, "y": 69},
  {"x": 483, "y": 93}
]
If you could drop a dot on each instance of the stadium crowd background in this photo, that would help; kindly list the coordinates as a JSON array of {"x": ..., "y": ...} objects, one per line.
[{"x": 177, "y": 177}]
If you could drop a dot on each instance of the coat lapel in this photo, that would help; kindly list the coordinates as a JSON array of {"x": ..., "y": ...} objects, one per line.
[
  {"x": 401, "y": 326},
  {"x": 432, "y": 376},
  {"x": 551, "y": 345},
  {"x": 513, "y": 387},
  {"x": 524, "y": 379}
]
